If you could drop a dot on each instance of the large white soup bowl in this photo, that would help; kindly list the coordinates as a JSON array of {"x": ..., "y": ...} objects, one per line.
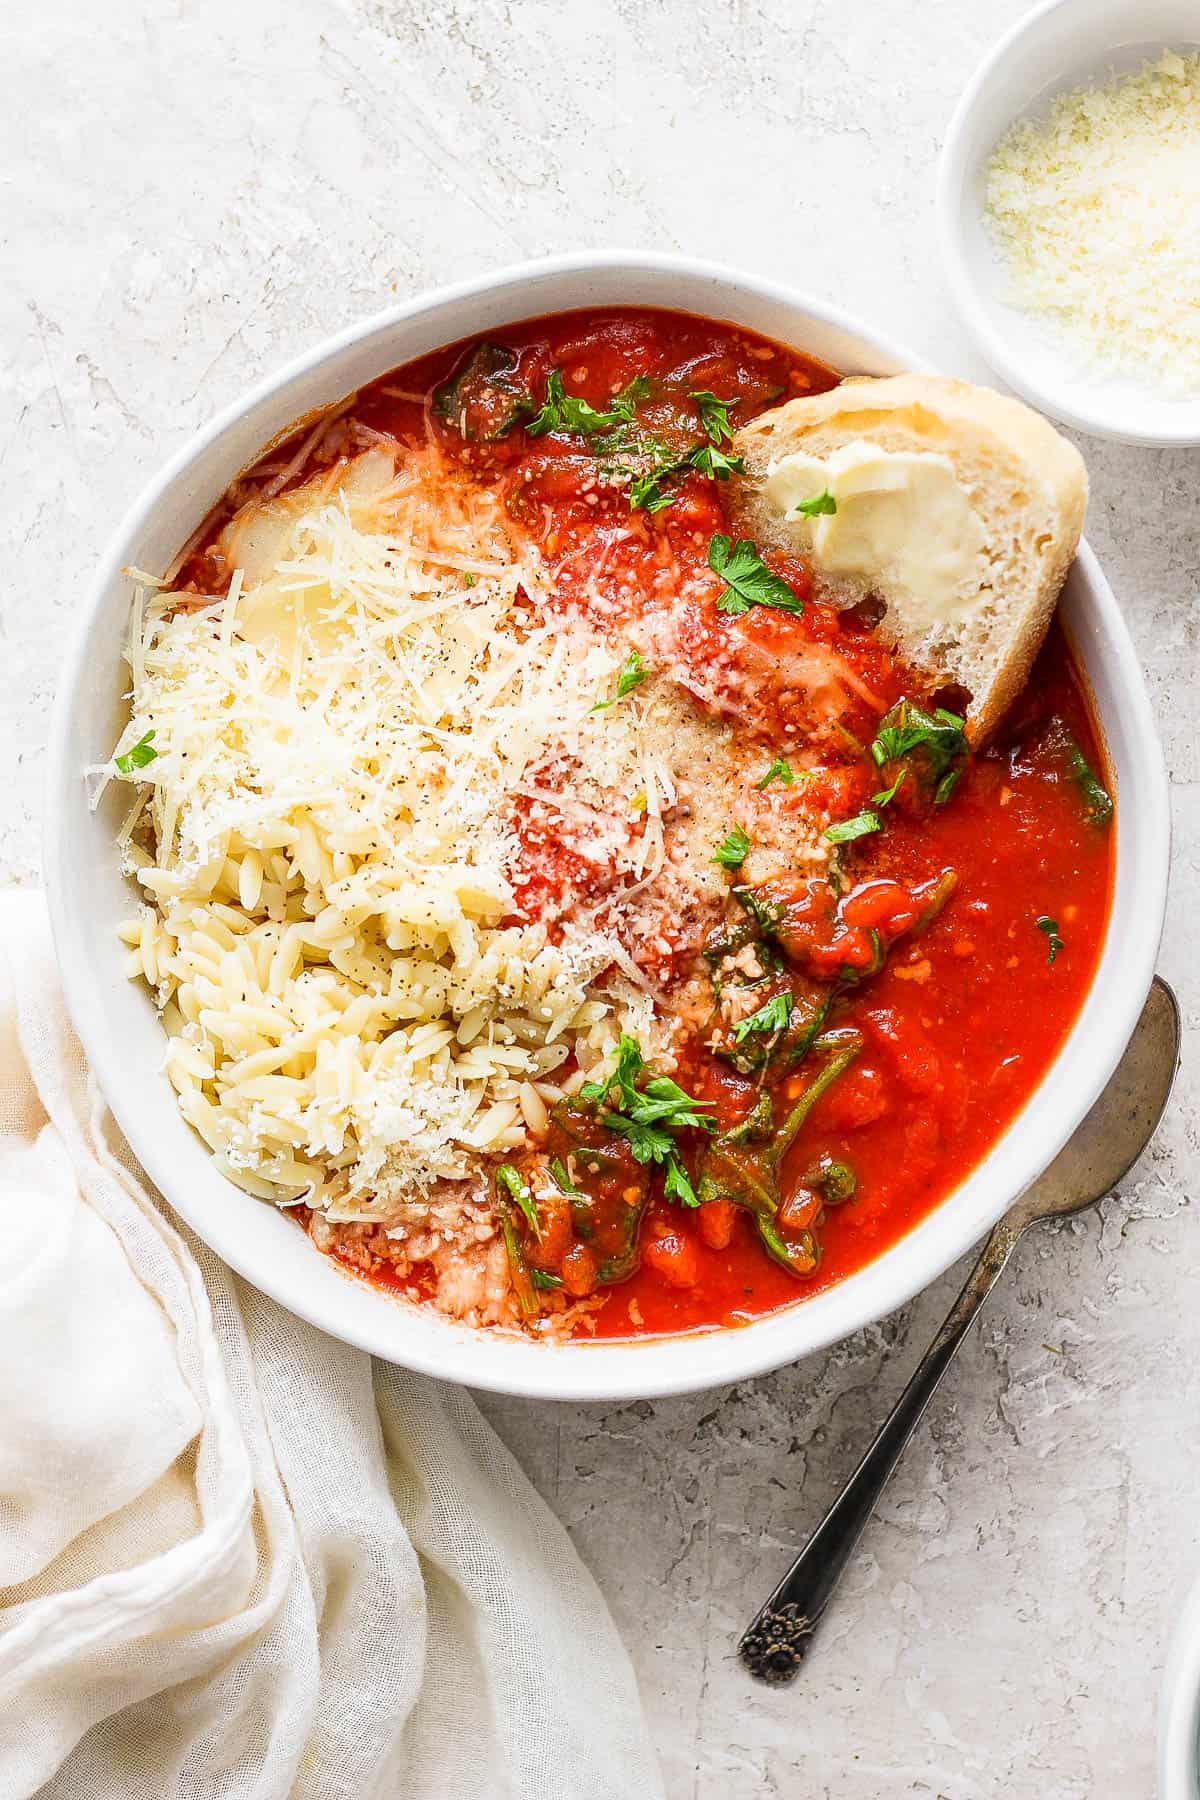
[{"x": 89, "y": 895}]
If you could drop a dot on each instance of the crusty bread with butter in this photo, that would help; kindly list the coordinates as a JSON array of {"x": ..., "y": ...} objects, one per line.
[{"x": 1025, "y": 491}]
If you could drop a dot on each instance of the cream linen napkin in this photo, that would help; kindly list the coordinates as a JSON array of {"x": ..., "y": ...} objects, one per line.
[{"x": 236, "y": 1558}]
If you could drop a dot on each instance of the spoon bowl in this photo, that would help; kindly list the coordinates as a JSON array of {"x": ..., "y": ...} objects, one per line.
[{"x": 1105, "y": 1146}]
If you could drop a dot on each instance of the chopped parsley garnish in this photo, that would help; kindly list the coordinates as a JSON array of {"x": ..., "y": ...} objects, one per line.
[
  {"x": 633, "y": 673},
  {"x": 908, "y": 727},
  {"x": 626, "y": 452},
  {"x": 771, "y": 1017},
  {"x": 138, "y": 756},
  {"x": 780, "y": 770},
  {"x": 731, "y": 853},
  {"x": 677, "y": 1183},
  {"x": 714, "y": 416},
  {"x": 748, "y": 581},
  {"x": 820, "y": 503},
  {"x": 887, "y": 795},
  {"x": 933, "y": 744},
  {"x": 648, "y": 1117},
  {"x": 625, "y": 1071},
  {"x": 646, "y": 493},
  {"x": 541, "y": 1279},
  {"x": 861, "y": 825},
  {"x": 1053, "y": 942},
  {"x": 631, "y": 396},
  {"x": 561, "y": 411},
  {"x": 715, "y": 463},
  {"x": 514, "y": 1184}
]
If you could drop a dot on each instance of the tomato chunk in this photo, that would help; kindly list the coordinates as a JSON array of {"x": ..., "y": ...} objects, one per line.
[
  {"x": 879, "y": 903},
  {"x": 716, "y": 1219},
  {"x": 578, "y": 1271},
  {"x": 800, "y": 1210},
  {"x": 858, "y": 1099},
  {"x": 673, "y": 1259}
]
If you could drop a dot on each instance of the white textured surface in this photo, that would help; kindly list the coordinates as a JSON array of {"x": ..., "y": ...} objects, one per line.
[{"x": 191, "y": 194}]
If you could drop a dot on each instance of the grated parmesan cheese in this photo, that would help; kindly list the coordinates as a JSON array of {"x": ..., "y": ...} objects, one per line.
[
  {"x": 1096, "y": 211},
  {"x": 344, "y": 743}
]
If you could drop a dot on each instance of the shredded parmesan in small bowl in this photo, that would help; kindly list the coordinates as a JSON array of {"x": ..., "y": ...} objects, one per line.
[
  {"x": 1096, "y": 211},
  {"x": 1069, "y": 215}
]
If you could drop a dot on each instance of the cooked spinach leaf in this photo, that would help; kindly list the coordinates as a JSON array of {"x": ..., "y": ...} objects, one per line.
[
  {"x": 517, "y": 1188},
  {"x": 770, "y": 1017},
  {"x": 484, "y": 398},
  {"x": 609, "y": 1193},
  {"x": 512, "y": 1196},
  {"x": 932, "y": 744},
  {"x": 743, "y": 1165},
  {"x": 1097, "y": 801}
]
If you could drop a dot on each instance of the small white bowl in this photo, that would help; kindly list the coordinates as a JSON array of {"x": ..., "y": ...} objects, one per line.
[
  {"x": 1179, "y": 1718},
  {"x": 1060, "y": 46},
  {"x": 89, "y": 896}
]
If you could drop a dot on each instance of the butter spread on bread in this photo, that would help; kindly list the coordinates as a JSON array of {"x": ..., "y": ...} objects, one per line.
[
  {"x": 958, "y": 508},
  {"x": 899, "y": 517}
]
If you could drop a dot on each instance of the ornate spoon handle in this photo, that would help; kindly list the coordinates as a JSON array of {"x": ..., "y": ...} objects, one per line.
[{"x": 777, "y": 1641}]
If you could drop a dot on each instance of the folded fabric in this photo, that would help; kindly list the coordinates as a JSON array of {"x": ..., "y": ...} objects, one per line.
[{"x": 236, "y": 1558}]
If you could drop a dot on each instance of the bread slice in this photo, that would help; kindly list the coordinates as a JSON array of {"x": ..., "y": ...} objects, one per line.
[{"x": 1026, "y": 487}]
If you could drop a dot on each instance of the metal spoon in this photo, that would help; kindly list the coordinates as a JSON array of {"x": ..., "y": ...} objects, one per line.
[{"x": 1102, "y": 1150}]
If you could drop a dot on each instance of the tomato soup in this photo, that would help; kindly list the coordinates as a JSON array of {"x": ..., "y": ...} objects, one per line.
[{"x": 892, "y": 929}]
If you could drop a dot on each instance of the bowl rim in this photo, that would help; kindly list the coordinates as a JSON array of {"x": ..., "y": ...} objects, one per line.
[
  {"x": 1179, "y": 1716},
  {"x": 620, "y": 1369},
  {"x": 950, "y": 183}
]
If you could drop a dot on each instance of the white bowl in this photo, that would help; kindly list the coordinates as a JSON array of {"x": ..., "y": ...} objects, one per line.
[
  {"x": 122, "y": 1036},
  {"x": 1063, "y": 45},
  {"x": 1179, "y": 1719}
]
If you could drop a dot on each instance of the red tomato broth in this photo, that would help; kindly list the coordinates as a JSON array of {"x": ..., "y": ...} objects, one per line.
[
  {"x": 1033, "y": 856},
  {"x": 963, "y": 1022}
]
